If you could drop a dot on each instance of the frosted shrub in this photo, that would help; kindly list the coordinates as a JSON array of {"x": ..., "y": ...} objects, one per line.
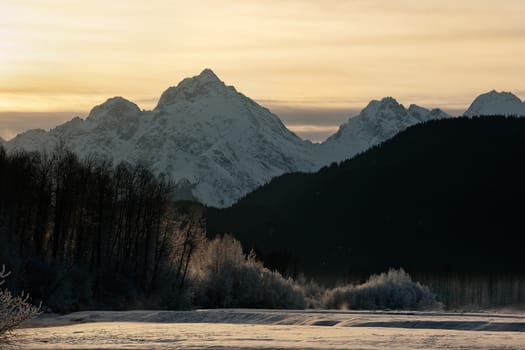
[
  {"x": 313, "y": 292},
  {"x": 233, "y": 279},
  {"x": 13, "y": 309},
  {"x": 391, "y": 290}
]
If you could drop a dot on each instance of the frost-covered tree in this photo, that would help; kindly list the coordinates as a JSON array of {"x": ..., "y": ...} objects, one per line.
[
  {"x": 13, "y": 309},
  {"x": 389, "y": 290},
  {"x": 233, "y": 279}
]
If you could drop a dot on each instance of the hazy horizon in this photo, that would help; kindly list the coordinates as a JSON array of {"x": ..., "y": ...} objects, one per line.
[
  {"x": 323, "y": 60},
  {"x": 314, "y": 124}
]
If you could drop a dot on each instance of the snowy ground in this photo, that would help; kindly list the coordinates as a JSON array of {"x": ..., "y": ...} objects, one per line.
[{"x": 265, "y": 329}]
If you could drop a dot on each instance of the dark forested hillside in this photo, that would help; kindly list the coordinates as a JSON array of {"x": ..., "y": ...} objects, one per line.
[{"x": 442, "y": 197}]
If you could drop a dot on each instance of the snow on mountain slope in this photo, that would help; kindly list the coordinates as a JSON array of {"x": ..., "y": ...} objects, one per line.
[
  {"x": 227, "y": 145},
  {"x": 215, "y": 143},
  {"x": 102, "y": 134},
  {"x": 218, "y": 145},
  {"x": 496, "y": 103},
  {"x": 31, "y": 140},
  {"x": 379, "y": 121}
]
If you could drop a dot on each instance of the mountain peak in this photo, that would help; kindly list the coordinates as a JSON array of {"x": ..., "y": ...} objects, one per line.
[
  {"x": 386, "y": 105},
  {"x": 377, "y": 122},
  {"x": 503, "y": 95},
  {"x": 115, "y": 108},
  {"x": 417, "y": 109},
  {"x": 116, "y": 101},
  {"x": 189, "y": 89},
  {"x": 385, "y": 102},
  {"x": 389, "y": 100},
  {"x": 207, "y": 76},
  {"x": 494, "y": 102},
  {"x": 422, "y": 114}
]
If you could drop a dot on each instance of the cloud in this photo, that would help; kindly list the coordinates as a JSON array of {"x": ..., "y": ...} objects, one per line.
[
  {"x": 313, "y": 128},
  {"x": 315, "y": 125},
  {"x": 329, "y": 57},
  {"x": 13, "y": 123},
  {"x": 314, "y": 133},
  {"x": 310, "y": 123},
  {"x": 7, "y": 134},
  {"x": 293, "y": 115}
]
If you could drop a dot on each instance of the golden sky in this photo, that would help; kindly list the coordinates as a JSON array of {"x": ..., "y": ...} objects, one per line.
[{"x": 319, "y": 58}]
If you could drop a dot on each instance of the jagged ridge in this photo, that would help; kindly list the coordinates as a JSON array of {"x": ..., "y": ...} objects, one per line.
[
  {"x": 379, "y": 121},
  {"x": 217, "y": 144}
]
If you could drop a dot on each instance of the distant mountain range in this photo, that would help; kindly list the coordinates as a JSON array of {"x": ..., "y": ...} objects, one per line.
[
  {"x": 214, "y": 142},
  {"x": 444, "y": 196},
  {"x": 217, "y": 145}
]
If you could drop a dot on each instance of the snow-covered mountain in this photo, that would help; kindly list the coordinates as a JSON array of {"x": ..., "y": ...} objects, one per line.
[
  {"x": 218, "y": 145},
  {"x": 215, "y": 143},
  {"x": 379, "y": 121},
  {"x": 496, "y": 103}
]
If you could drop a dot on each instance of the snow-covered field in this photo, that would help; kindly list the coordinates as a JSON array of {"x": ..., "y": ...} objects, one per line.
[{"x": 265, "y": 329}]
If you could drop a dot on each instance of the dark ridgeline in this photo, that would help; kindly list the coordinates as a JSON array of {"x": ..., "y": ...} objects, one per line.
[{"x": 445, "y": 200}]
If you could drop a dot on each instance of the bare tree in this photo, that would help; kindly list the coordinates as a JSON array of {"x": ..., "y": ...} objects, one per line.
[
  {"x": 13, "y": 309},
  {"x": 189, "y": 236}
]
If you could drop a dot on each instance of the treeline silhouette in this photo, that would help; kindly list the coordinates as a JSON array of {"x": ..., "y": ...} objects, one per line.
[
  {"x": 78, "y": 230},
  {"x": 84, "y": 233},
  {"x": 443, "y": 199}
]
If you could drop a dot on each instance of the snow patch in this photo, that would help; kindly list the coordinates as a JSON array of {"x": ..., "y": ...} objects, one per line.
[{"x": 273, "y": 329}]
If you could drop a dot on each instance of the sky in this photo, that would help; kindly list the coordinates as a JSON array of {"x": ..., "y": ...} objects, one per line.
[{"x": 313, "y": 62}]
